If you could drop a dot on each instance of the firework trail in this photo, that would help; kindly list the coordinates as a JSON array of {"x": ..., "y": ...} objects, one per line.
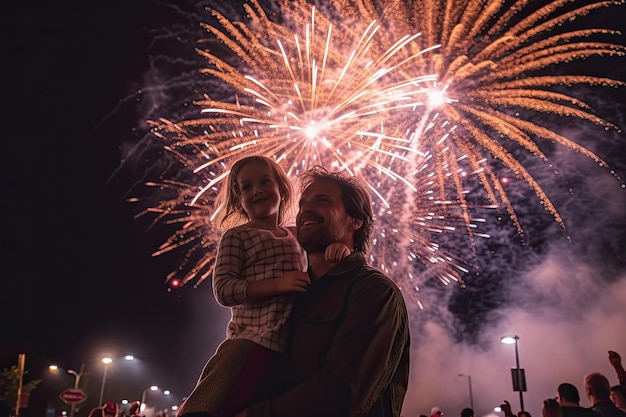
[
  {"x": 329, "y": 101},
  {"x": 418, "y": 99}
]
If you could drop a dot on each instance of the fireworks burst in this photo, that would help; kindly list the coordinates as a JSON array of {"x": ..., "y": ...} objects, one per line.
[
  {"x": 413, "y": 97},
  {"x": 490, "y": 68}
]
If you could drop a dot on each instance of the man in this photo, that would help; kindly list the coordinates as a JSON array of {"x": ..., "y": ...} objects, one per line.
[
  {"x": 467, "y": 412},
  {"x": 618, "y": 396},
  {"x": 135, "y": 409},
  {"x": 110, "y": 409},
  {"x": 618, "y": 392},
  {"x": 551, "y": 408},
  {"x": 616, "y": 362},
  {"x": 348, "y": 352},
  {"x": 569, "y": 399},
  {"x": 436, "y": 412},
  {"x": 598, "y": 391}
]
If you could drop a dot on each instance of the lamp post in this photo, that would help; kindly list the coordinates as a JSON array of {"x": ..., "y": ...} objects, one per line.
[
  {"x": 471, "y": 395},
  {"x": 77, "y": 376},
  {"x": 106, "y": 362},
  {"x": 144, "y": 396},
  {"x": 519, "y": 379}
]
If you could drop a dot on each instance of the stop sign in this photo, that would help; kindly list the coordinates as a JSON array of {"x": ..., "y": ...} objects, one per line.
[{"x": 73, "y": 396}]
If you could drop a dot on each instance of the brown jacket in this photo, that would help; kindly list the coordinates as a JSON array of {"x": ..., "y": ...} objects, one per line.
[{"x": 348, "y": 353}]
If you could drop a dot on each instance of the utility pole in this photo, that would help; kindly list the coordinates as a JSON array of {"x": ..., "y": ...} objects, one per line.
[{"x": 18, "y": 400}]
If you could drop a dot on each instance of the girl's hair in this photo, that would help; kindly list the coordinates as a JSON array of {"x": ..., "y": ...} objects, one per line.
[{"x": 229, "y": 199}]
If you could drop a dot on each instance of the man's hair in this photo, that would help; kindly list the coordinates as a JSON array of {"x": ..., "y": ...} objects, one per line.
[
  {"x": 598, "y": 385},
  {"x": 356, "y": 201},
  {"x": 96, "y": 412},
  {"x": 135, "y": 406},
  {"x": 568, "y": 392},
  {"x": 467, "y": 412},
  {"x": 619, "y": 388}
]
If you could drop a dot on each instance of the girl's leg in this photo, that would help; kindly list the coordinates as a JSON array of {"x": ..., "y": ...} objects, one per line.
[
  {"x": 218, "y": 377},
  {"x": 258, "y": 373}
]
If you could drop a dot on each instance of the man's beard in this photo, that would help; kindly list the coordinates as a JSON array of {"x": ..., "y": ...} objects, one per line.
[{"x": 316, "y": 241}]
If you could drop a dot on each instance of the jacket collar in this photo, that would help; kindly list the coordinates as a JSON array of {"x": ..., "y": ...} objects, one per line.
[{"x": 354, "y": 261}]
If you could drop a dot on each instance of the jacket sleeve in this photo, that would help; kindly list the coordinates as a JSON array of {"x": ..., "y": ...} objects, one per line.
[{"x": 366, "y": 350}]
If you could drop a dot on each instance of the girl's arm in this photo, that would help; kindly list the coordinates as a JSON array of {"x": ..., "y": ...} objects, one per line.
[
  {"x": 294, "y": 281},
  {"x": 229, "y": 287}
]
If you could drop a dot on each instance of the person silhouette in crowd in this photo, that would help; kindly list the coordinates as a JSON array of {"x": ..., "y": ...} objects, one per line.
[
  {"x": 467, "y": 412},
  {"x": 598, "y": 391},
  {"x": 135, "y": 409},
  {"x": 618, "y": 392},
  {"x": 506, "y": 409},
  {"x": 551, "y": 408},
  {"x": 110, "y": 409},
  {"x": 616, "y": 362},
  {"x": 96, "y": 412},
  {"x": 618, "y": 396},
  {"x": 436, "y": 412},
  {"x": 569, "y": 399}
]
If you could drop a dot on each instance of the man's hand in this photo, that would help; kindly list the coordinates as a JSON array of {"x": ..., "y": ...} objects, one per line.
[
  {"x": 615, "y": 359},
  {"x": 616, "y": 362},
  {"x": 335, "y": 252},
  {"x": 506, "y": 409}
]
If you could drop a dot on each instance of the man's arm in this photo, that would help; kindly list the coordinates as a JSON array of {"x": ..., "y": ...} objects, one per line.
[
  {"x": 363, "y": 357},
  {"x": 616, "y": 362}
]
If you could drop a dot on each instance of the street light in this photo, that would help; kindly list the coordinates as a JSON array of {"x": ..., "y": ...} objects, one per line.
[
  {"x": 469, "y": 383},
  {"x": 519, "y": 379},
  {"x": 77, "y": 376},
  {"x": 106, "y": 362},
  {"x": 144, "y": 395}
]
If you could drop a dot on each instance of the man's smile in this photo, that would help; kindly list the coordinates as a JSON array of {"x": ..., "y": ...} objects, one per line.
[{"x": 308, "y": 222}]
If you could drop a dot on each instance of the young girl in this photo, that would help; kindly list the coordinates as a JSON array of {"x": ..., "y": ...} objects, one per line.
[{"x": 259, "y": 264}]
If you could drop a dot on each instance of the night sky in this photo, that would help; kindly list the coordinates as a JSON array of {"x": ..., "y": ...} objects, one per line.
[{"x": 80, "y": 281}]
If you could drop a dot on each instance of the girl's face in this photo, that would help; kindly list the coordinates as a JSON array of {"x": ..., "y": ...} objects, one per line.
[{"x": 259, "y": 192}]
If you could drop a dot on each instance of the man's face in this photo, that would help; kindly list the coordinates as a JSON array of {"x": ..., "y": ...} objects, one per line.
[{"x": 322, "y": 218}]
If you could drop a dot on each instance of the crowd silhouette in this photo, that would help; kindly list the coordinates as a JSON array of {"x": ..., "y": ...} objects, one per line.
[{"x": 605, "y": 400}]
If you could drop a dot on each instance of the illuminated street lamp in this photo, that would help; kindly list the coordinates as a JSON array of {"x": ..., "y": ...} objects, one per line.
[
  {"x": 144, "y": 395},
  {"x": 77, "y": 376},
  {"x": 517, "y": 374},
  {"x": 106, "y": 362},
  {"x": 469, "y": 383}
]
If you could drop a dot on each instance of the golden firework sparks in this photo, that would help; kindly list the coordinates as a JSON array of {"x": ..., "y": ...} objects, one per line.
[{"x": 414, "y": 97}]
